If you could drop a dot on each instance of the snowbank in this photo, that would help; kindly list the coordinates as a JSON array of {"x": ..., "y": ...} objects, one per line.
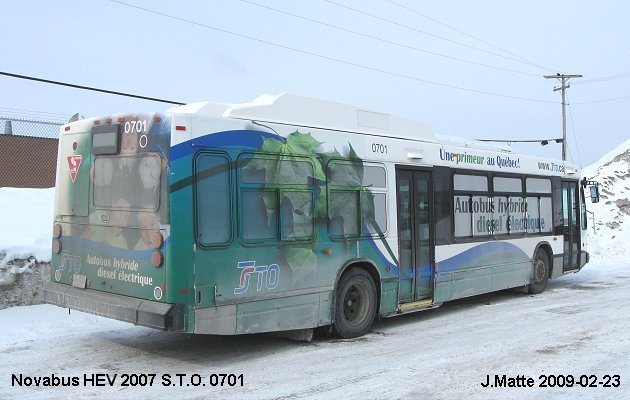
[
  {"x": 609, "y": 236},
  {"x": 26, "y": 216},
  {"x": 25, "y": 238},
  {"x": 21, "y": 282}
]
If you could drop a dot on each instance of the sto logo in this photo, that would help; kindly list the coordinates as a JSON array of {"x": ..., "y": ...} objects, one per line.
[
  {"x": 72, "y": 262},
  {"x": 269, "y": 275}
]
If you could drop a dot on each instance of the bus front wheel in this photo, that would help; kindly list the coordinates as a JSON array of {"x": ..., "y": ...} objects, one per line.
[
  {"x": 355, "y": 304},
  {"x": 540, "y": 272}
]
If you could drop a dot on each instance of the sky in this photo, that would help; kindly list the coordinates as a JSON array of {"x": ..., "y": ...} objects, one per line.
[{"x": 467, "y": 69}]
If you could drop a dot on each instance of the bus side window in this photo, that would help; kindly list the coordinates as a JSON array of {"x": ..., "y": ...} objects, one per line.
[
  {"x": 276, "y": 198},
  {"x": 357, "y": 199},
  {"x": 539, "y": 205},
  {"x": 259, "y": 215},
  {"x": 213, "y": 199}
]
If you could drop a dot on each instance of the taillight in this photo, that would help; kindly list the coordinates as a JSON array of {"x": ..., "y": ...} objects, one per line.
[
  {"x": 157, "y": 258},
  {"x": 157, "y": 240}
]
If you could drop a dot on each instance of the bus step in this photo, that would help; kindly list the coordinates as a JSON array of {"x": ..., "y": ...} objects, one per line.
[{"x": 415, "y": 305}]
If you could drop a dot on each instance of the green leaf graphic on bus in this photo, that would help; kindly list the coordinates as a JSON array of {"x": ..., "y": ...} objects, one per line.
[
  {"x": 285, "y": 177},
  {"x": 289, "y": 180},
  {"x": 353, "y": 191},
  {"x": 301, "y": 259}
]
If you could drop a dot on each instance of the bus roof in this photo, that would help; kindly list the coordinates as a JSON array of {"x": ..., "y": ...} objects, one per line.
[{"x": 291, "y": 109}]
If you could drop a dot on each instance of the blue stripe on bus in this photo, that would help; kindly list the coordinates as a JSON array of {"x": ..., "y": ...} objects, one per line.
[
  {"x": 382, "y": 256},
  {"x": 240, "y": 138},
  {"x": 480, "y": 254},
  {"x": 469, "y": 258},
  {"x": 423, "y": 272}
]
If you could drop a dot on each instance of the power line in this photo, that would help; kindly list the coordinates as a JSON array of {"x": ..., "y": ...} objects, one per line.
[
  {"x": 337, "y": 60},
  {"x": 430, "y": 34},
  {"x": 603, "y": 79},
  {"x": 89, "y": 88},
  {"x": 467, "y": 34},
  {"x": 602, "y": 100},
  {"x": 385, "y": 40}
]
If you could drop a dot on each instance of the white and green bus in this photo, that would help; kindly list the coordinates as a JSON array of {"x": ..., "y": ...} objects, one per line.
[{"x": 292, "y": 213}]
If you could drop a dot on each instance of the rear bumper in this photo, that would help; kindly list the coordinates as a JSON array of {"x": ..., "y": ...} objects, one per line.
[{"x": 168, "y": 317}]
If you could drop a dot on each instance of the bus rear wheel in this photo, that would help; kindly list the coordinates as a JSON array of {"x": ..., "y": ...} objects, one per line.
[
  {"x": 540, "y": 273},
  {"x": 355, "y": 304}
]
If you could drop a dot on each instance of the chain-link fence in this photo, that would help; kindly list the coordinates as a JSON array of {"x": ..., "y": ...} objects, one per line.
[
  {"x": 28, "y": 151},
  {"x": 29, "y": 127}
]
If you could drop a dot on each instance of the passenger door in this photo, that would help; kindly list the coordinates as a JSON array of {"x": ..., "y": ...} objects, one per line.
[
  {"x": 571, "y": 226},
  {"x": 415, "y": 234}
]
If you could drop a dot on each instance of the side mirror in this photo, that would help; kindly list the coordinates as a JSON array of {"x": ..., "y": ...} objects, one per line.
[{"x": 595, "y": 194}]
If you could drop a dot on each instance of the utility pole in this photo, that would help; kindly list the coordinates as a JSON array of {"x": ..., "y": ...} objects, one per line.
[{"x": 564, "y": 84}]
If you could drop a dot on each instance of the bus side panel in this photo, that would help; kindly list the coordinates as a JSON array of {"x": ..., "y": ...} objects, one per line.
[
  {"x": 286, "y": 313},
  {"x": 245, "y": 286},
  {"x": 470, "y": 269}
]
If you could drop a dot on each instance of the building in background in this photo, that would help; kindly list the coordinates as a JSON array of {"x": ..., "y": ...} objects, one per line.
[{"x": 28, "y": 152}]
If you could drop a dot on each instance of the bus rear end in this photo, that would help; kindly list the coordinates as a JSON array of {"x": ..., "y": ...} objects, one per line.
[{"x": 111, "y": 225}]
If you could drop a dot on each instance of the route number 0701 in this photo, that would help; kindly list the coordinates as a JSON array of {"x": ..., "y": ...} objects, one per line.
[
  {"x": 135, "y": 126},
  {"x": 379, "y": 148}
]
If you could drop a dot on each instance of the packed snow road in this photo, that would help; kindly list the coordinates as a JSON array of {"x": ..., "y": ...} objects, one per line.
[{"x": 577, "y": 331}]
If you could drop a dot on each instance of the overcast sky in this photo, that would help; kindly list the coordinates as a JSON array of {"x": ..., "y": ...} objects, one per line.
[{"x": 472, "y": 69}]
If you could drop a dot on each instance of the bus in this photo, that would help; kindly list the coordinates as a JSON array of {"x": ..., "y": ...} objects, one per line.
[{"x": 291, "y": 213}]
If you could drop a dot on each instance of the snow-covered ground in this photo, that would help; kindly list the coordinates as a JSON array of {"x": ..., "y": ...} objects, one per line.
[{"x": 578, "y": 327}]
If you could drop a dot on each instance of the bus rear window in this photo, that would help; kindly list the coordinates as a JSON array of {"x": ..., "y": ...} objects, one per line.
[{"x": 127, "y": 182}]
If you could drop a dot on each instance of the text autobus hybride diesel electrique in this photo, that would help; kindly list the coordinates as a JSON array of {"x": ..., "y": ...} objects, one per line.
[{"x": 293, "y": 213}]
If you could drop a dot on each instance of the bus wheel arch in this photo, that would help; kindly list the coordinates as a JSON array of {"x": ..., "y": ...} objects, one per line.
[
  {"x": 356, "y": 299},
  {"x": 542, "y": 268}
]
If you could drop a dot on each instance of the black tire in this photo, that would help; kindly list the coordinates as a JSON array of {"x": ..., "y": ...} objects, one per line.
[
  {"x": 355, "y": 304},
  {"x": 540, "y": 272}
]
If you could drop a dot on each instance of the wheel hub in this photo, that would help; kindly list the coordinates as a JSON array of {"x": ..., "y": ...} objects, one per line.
[{"x": 353, "y": 305}]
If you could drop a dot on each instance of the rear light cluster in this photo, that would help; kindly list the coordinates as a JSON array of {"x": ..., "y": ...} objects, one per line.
[
  {"x": 157, "y": 258},
  {"x": 56, "y": 244}
]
